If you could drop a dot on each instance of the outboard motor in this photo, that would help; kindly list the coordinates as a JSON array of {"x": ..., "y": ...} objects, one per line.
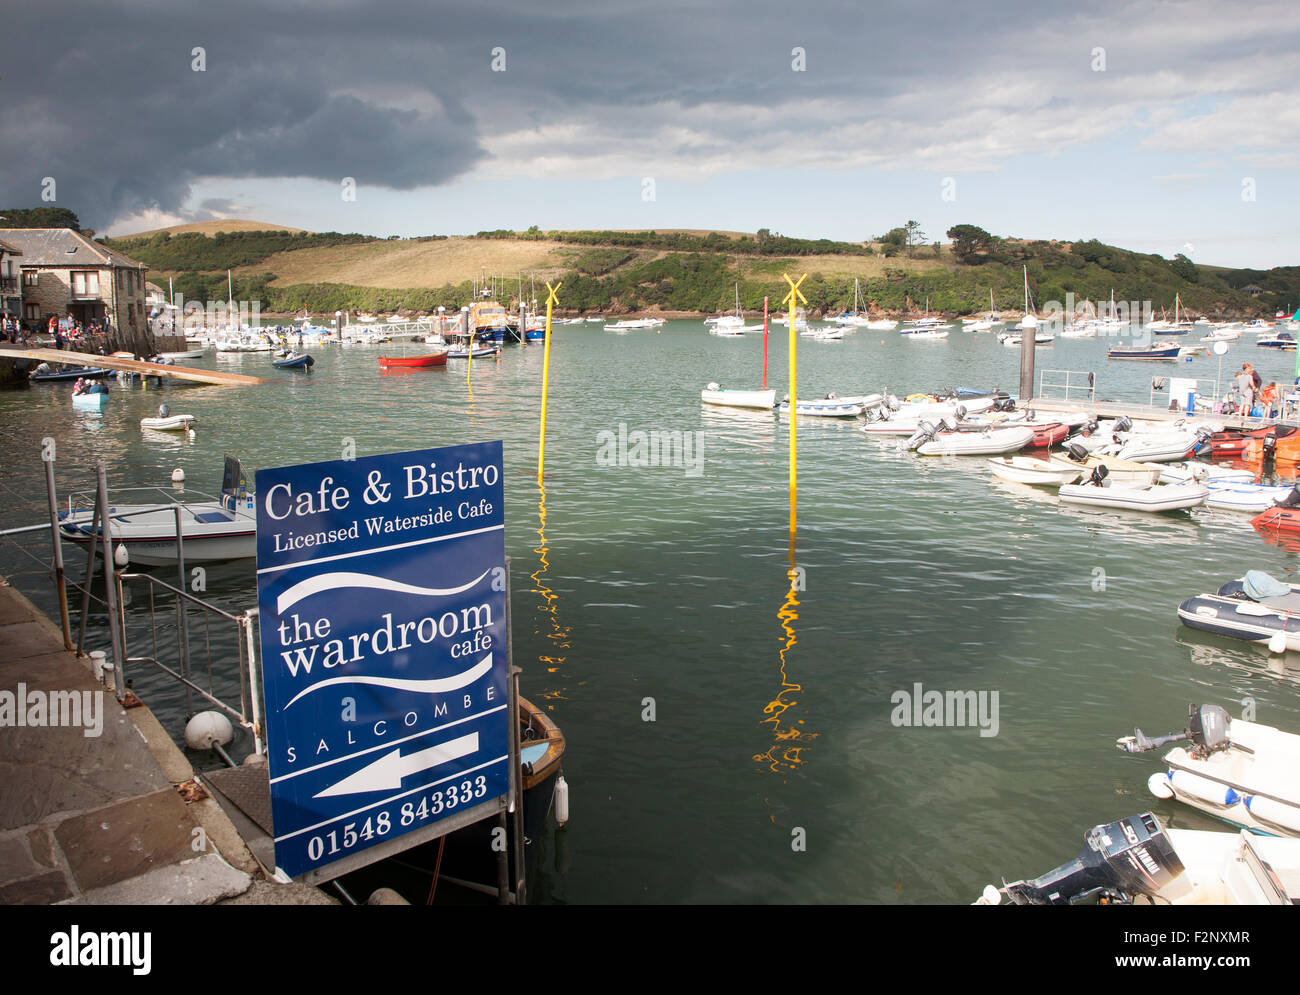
[
  {"x": 1207, "y": 731},
  {"x": 960, "y": 412},
  {"x": 891, "y": 402},
  {"x": 1077, "y": 452},
  {"x": 1292, "y": 500},
  {"x": 1122, "y": 424},
  {"x": 163, "y": 411},
  {"x": 925, "y": 432},
  {"x": 1099, "y": 473},
  {"x": 1120, "y": 860}
]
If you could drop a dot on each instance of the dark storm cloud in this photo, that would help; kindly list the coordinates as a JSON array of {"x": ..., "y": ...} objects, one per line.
[{"x": 401, "y": 94}]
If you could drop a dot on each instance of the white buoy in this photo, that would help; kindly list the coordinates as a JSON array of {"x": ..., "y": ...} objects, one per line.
[
  {"x": 178, "y": 476},
  {"x": 1158, "y": 785},
  {"x": 990, "y": 896},
  {"x": 1277, "y": 642},
  {"x": 207, "y": 728},
  {"x": 561, "y": 800},
  {"x": 192, "y": 435},
  {"x": 120, "y": 556}
]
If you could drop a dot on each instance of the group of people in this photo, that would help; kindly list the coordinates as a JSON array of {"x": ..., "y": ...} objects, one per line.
[
  {"x": 1250, "y": 386},
  {"x": 83, "y": 386}
]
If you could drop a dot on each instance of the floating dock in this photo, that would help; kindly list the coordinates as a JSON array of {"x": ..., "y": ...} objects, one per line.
[{"x": 134, "y": 366}]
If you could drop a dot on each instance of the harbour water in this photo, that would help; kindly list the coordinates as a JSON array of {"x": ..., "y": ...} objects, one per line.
[{"x": 771, "y": 771}]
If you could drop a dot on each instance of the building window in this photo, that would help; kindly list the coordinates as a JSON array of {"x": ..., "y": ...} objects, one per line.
[
  {"x": 32, "y": 312},
  {"x": 85, "y": 284},
  {"x": 30, "y": 277}
]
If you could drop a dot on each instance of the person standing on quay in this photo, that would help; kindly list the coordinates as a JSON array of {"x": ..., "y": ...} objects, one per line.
[{"x": 1246, "y": 387}]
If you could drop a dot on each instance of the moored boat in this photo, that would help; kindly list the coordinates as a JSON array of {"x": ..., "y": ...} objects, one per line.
[
  {"x": 296, "y": 361},
  {"x": 760, "y": 399},
  {"x": 1239, "y": 771},
  {"x": 1097, "y": 491},
  {"x": 415, "y": 362},
  {"x": 223, "y": 528},
  {"x": 1030, "y": 470},
  {"x": 1136, "y": 859}
]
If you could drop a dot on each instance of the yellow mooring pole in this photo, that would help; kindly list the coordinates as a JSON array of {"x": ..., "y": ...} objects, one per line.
[
  {"x": 551, "y": 299},
  {"x": 792, "y": 298}
]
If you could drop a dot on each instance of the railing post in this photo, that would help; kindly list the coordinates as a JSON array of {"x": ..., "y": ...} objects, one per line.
[
  {"x": 60, "y": 581},
  {"x": 254, "y": 680},
  {"x": 110, "y": 584},
  {"x": 89, "y": 577},
  {"x": 182, "y": 617}
]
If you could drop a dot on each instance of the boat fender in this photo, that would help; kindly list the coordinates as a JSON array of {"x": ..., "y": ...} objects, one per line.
[
  {"x": 121, "y": 558},
  {"x": 178, "y": 476},
  {"x": 1187, "y": 783},
  {"x": 208, "y": 728},
  {"x": 1158, "y": 785},
  {"x": 1275, "y": 812},
  {"x": 713, "y": 386},
  {"x": 561, "y": 800}
]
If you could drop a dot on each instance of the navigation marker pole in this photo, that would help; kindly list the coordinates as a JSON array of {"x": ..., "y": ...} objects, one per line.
[
  {"x": 765, "y": 343},
  {"x": 546, "y": 375},
  {"x": 792, "y": 298}
]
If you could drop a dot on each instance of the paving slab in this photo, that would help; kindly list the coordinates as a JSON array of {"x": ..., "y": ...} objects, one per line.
[
  {"x": 46, "y": 889},
  {"x": 126, "y": 839},
  {"x": 201, "y": 881}
]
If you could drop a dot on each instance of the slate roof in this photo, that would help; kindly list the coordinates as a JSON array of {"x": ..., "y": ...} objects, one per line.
[{"x": 64, "y": 247}]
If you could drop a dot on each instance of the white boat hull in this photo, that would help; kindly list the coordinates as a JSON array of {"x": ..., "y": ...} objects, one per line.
[
  {"x": 1161, "y": 497},
  {"x": 762, "y": 399},
  {"x": 210, "y": 532},
  {"x": 991, "y": 443},
  {"x": 1028, "y": 470}
]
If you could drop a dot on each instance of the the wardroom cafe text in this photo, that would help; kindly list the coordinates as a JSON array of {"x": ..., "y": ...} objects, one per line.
[{"x": 285, "y": 504}]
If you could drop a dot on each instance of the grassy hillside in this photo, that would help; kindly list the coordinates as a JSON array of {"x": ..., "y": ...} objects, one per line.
[
  {"x": 620, "y": 272},
  {"x": 210, "y": 228}
]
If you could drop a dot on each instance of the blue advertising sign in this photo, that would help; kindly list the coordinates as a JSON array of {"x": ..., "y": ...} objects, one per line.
[{"x": 381, "y": 590}]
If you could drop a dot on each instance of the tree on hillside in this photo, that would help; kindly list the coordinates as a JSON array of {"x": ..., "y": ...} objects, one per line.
[
  {"x": 894, "y": 241},
  {"x": 1185, "y": 269},
  {"x": 915, "y": 236},
  {"x": 39, "y": 217},
  {"x": 970, "y": 243}
]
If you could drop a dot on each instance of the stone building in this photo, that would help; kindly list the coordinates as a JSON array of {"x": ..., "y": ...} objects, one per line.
[
  {"x": 11, "y": 289},
  {"x": 66, "y": 275}
]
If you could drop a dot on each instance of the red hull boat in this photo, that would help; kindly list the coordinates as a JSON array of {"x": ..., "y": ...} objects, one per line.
[
  {"x": 411, "y": 362},
  {"x": 1248, "y": 443},
  {"x": 1048, "y": 435}
]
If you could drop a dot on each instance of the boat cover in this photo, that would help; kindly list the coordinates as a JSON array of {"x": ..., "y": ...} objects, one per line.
[{"x": 1258, "y": 585}]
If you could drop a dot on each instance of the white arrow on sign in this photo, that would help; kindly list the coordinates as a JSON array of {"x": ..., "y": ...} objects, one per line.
[{"x": 386, "y": 773}]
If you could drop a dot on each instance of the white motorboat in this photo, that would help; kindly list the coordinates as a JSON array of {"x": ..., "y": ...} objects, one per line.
[
  {"x": 1120, "y": 471},
  {"x": 1138, "y": 859},
  {"x": 1231, "y": 495},
  {"x": 1239, "y": 771},
  {"x": 1031, "y": 470},
  {"x": 165, "y": 421},
  {"x": 1012, "y": 341},
  {"x": 715, "y": 394},
  {"x": 1163, "y": 448},
  {"x": 1098, "y": 491},
  {"x": 826, "y": 407},
  {"x": 223, "y": 528},
  {"x": 882, "y": 324},
  {"x": 1181, "y": 473},
  {"x": 923, "y": 334},
  {"x": 187, "y": 354},
  {"x": 933, "y": 441}
]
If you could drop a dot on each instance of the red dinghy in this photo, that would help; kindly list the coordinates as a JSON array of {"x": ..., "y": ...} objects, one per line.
[
  {"x": 1282, "y": 519},
  {"x": 1048, "y": 435},
  {"x": 1241, "y": 443},
  {"x": 408, "y": 362}
]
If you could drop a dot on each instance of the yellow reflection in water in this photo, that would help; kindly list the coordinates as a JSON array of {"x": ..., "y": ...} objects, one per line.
[
  {"x": 558, "y": 636},
  {"x": 789, "y": 736}
]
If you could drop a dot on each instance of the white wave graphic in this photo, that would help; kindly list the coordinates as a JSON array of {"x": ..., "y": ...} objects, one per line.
[
  {"x": 340, "y": 580},
  {"x": 439, "y": 685}
]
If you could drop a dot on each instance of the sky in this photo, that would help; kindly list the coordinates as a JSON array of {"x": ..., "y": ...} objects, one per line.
[{"x": 1162, "y": 127}]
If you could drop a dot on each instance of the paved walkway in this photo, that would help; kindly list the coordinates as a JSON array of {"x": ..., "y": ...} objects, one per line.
[{"x": 105, "y": 818}]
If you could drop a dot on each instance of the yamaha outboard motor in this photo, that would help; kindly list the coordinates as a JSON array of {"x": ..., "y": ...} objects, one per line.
[
  {"x": 163, "y": 411},
  {"x": 960, "y": 411},
  {"x": 1207, "y": 731},
  {"x": 1120, "y": 861},
  {"x": 1077, "y": 452},
  {"x": 1122, "y": 424},
  {"x": 1099, "y": 474}
]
